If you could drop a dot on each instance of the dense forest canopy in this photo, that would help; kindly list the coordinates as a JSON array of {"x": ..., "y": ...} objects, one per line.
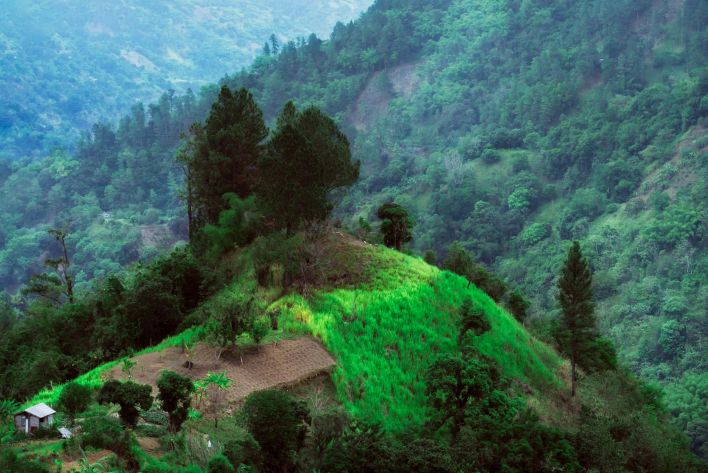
[
  {"x": 66, "y": 65},
  {"x": 510, "y": 127}
]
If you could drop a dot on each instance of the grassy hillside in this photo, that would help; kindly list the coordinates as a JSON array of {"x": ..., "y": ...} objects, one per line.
[
  {"x": 385, "y": 323},
  {"x": 383, "y": 332}
]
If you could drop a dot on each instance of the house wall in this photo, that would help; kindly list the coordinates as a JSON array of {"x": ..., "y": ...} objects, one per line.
[
  {"x": 20, "y": 422},
  {"x": 34, "y": 422}
]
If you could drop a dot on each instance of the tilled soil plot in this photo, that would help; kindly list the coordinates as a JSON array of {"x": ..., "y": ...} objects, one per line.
[{"x": 276, "y": 365}]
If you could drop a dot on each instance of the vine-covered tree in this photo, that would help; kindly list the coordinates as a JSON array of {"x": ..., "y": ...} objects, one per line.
[
  {"x": 396, "y": 225},
  {"x": 518, "y": 305},
  {"x": 277, "y": 422},
  {"x": 129, "y": 396},
  {"x": 454, "y": 382},
  {"x": 175, "y": 394},
  {"x": 74, "y": 399},
  {"x": 472, "y": 319}
]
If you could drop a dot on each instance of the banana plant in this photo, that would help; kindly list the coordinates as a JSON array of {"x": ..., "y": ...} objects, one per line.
[{"x": 218, "y": 382}]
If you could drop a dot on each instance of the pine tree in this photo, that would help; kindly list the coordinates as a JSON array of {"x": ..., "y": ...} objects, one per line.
[
  {"x": 221, "y": 156},
  {"x": 577, "y": 333},
  {"x": 307, "y": 158},
  {"x": 274, "y": 45}
]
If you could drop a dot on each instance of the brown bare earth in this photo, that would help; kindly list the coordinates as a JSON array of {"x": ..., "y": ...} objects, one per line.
[
  {"x": 70, "y": 464},
  {"x": 151, "y": 446},
  {"x": 156, "y": 235},
  {"x": 277, "y": 365},
  {"x": 373, "y": 102}
]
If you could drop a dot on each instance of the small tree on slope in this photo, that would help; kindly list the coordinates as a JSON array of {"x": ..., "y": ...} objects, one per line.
[
  {"x": 175, "y": 396},
  {"x": 396, "y": 225}
]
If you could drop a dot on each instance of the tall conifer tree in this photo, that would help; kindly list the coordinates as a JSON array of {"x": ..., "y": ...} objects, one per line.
[
  {"x": 221, "y": 156},
  {"x": 577, "y": 333}
]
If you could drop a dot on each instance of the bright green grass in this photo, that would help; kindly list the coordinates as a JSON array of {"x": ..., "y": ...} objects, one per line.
[
  {"x": 386, "y": 332},
  {"x": 93, "y": 377}
]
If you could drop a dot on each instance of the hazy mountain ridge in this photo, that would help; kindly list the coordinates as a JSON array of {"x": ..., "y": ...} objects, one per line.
[{"x": 65, "y": 65}]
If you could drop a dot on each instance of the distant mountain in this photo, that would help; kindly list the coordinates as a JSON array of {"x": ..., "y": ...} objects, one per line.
[{"x": 66, "y": 64}]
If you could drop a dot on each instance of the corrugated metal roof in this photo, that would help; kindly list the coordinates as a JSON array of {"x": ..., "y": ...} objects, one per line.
[
  {"x": 65, "y": 433},
  {"x": 40, "y": 410}
]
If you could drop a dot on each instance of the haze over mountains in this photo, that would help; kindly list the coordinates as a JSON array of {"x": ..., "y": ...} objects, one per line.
[{"x": 66, "y": 64}]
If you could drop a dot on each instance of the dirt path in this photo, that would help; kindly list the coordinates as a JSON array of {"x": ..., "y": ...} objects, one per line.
[{"x": 281, "y": 364}]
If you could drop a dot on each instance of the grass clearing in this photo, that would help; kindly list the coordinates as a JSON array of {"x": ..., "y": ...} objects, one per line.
[{"x": 385, "y": 333}]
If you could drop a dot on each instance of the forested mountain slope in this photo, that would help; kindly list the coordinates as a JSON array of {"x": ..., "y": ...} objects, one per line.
[
  {"x": 65, "y": 65},
  {"x": 411, "y": 343},
  {"x": 509, "y": 126}
]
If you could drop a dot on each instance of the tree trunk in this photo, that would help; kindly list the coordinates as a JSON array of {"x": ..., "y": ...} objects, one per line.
[
  {"x": 65, "y": 270},
  {"x": 573, "y": 377}
]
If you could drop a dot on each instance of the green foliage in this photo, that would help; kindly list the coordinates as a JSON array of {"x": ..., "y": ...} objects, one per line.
[
  {"x": 129, "y": 396},
  {"x": 175, "y": 394},
  {"x": 396, "y": 225},
  {"x": 221, "y": 156},
  {"x": 116, "y": 64},
  {"x": 620, "y": 436},
  {"x": 220, "y": 464},
  {"x": 381, "y": 362},
  {"x": 577, "y": 330},
  {"x": 430, "y": 257},
  {"x": 217, "y": 383},
  {"x": 518, "y": 305},
  {"x": 454, "y": 382},
  {"x": 237, "y": 226},
  {"x": 11, "y": 462},
  {"x": 472, "y": 319},
  {"x": 308, "y": 158},
  {"x": 507, "y": 440},
  {"x": 125, "y": 312},
  {"x": 602, "y": 128},
  {"x": 490, "y": 156},
  {"x": 686, "y": 399},
  {"x": 276, "y": 422},
  {"x": 231, "y": 316},
  {"x": 461, "y": 262},
  {"x": 275, "y": 259},
  {"x": 101, "y": 431},
  {"x": 74, "y": 399}
]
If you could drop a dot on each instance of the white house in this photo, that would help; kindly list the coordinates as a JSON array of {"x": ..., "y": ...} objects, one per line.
[{"x": 32, "y": 418}]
